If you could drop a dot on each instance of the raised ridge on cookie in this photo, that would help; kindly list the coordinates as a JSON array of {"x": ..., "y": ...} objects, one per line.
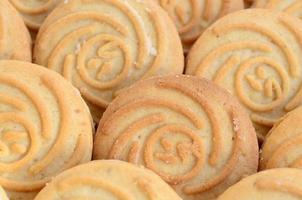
[{"x": 193, "y": 134}]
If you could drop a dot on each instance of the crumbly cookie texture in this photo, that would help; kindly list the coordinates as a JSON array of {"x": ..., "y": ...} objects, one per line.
[
  {"x": 256, "y": 55},
  {"x": 104, "y": 46},
  {"x": 186, "y": 129},
  {"x": 277, "y": 184},
  {"x": 15, "y": 41},
  {"x": 45, "y": 128},
  {"x": 107, "y": 179}
]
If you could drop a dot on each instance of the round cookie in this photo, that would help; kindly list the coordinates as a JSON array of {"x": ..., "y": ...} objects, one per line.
[
  {"x": 35, "y": 11},
  {"x": 3, "y": 195},
  {"x": 283, "y": 145},
  {"x": 293, "y": 7},
  {"x": 45, "y": 128},
  {"x": 186, "y": 129},
  {"x": 277, "y": 184},
  {"x": 15, "y": 41},
  {"x": 192, "y": 17},
  {"x": 107, "y": 179},
  {"x": 103, "y": 46},
  {"x": 256, "y": 55}
]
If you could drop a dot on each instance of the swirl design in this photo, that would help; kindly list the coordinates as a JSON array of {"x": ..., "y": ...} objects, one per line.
[
  {"x": 100, "y": 53},
  {"x": 282, "y": 146},
  {"x": 192, "y": 17},
  {"x": 127, "y": 182},
  {"x": 286, "y": 183},
  {"x": 261, "y": 69},
  {"x": 34, "y": 12},
  {"x": 35, "y": 126},
  {"x": 177, "y": 142},
  {"x": 291, "y": 7}
]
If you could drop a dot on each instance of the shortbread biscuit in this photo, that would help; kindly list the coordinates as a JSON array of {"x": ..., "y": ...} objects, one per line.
[
  {"x": 283, "y": 145},
  {"x": 293, "y": 7},
  {"x": 103, "y": 46},
  {"x": 186, "y": 129},
  {"x": 107, "y": 179},
  {"x": 3, "y": 195},
  {"x": 15, "y": 41},
  {"x": 256, "y": 55},
  {"x": 276, "y": 184},
  {"x": 192, "y": 17},
  {"x": 45, "y": 128},
  {"x": 35, "y": 11}
]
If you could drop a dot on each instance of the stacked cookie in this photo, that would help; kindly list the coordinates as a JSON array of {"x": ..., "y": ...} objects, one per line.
[{"x": 110, "y": 84}]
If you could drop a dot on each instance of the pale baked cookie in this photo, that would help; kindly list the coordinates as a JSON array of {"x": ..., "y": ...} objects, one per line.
[
  {"x": 3, "y": 195},
  {"x": 276, "y": 184},
  {"x": 283, "y": 145},
  {"x": 186, "y": 129},
  {"x": 192, "y": 17},
  {"x": 15, "y": 41},
  {"x": 35, "y": 11},
  {"x": 45, "y": 128},
  {"x": 256, "y": 55},
  {"x": 293, "y": 7},
  {"x": 107, "y": 179},
  {"x": 103, "y": 46}
]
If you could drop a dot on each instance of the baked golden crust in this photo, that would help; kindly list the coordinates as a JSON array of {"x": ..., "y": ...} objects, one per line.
[
  {"x": 277, "y": 184},
  {"x": 35, "y": 11},
  {"x": 282, "y": 147},
  {"x": 192, "y": 17},
  {"x": 107, "y": 179},
  {"x": 45, "y": 128},
  {"x": 15, "y": 41},
  {"x": 186, "y": 129},
  {"x": 293, "y": 7},
  {"x": 103, "y": 46},
  {"x": 254, "y": 54}
]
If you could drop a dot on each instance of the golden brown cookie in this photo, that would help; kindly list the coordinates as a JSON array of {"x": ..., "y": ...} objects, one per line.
[
  {"x": 283, "y": 145},
  {"x": 256, "y": 55},
  {"x": 15, "y": 41},
  {"x": 276, "y": 184},
  {"x": 45, "y": 128},
  {"x": 186, "y": 129},
  {"x": 107, "y": 179},
  {"x": 293, "y": 7},
  {"x": 192, "y": 17},
  {"x": 35, "y": 11},
  {"x": 3, "y": 195},
  {"x": 103, "y": 46}
]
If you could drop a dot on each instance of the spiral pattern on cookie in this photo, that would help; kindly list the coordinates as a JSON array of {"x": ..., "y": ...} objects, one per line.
[
  {"x": 291, "y": 7},
  {"x": 176, "y": 133},
  {"x": 41, "y": 132},
  {"x": 34, "y": 12},
  {"x": 282, "y": 147},
  {"x": 107, "y": 179},
  {"x": 193, "y": 16},
  {"x": 260, "y": 66},
  {"x": 100, "y": 53},
  {"x": 285, "y": 182}
]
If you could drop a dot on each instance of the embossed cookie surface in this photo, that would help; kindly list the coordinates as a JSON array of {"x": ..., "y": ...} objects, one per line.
[
  {"x": 35, "y": 11},
  {"x": 192, "y": 17},
  {"x": 256, "y": 55},
  {"x": 110, "y": 180},
  {"x": 293, "y": 7},
  {"x": 45, "y": 128},
  {"x": 283, "y": 145},
  {"x": 186, "y": 129},
  {"x": 277, "y": 184},
  {"x": 103, "y": 46},
  {"x": 15, "y": 41}
]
